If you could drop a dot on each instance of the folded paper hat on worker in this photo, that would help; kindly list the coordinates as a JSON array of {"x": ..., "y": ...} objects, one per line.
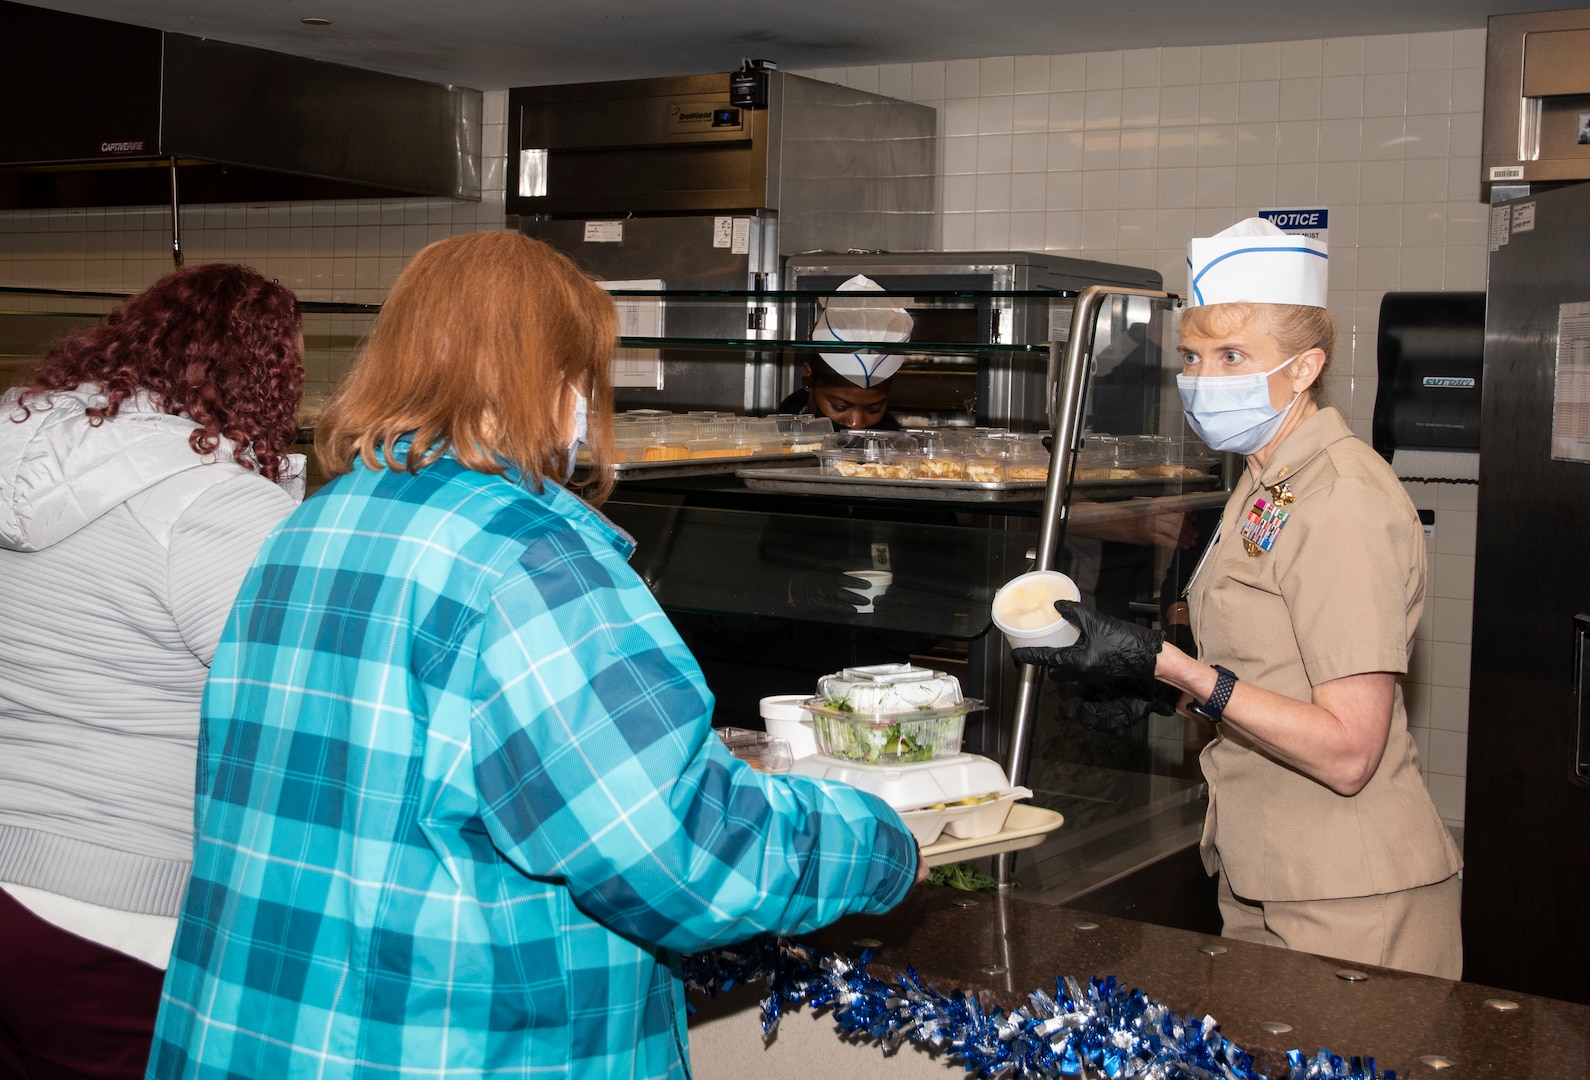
[
  {"x": 1256, "y": 263},
  {"x": 862, "y": 318}
]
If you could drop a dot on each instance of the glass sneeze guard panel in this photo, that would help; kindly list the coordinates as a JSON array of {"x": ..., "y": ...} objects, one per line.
[{"x": 789, "y": 566}]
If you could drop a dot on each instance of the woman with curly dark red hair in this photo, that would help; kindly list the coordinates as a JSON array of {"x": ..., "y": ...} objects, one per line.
[{"x": 136, "y": 485}]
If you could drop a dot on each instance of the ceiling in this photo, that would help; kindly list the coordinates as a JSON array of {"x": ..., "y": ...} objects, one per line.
[{"x": 491, "y": 44}]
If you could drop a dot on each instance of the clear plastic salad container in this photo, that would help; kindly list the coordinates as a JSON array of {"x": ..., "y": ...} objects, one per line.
[{"x": 889, "y": 714}]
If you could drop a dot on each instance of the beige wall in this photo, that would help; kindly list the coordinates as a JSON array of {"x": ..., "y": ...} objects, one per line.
[{"x": 1116, "y": 155}]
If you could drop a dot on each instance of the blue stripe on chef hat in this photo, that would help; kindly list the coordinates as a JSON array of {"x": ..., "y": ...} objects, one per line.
[{"x": 1197, "y": 292}]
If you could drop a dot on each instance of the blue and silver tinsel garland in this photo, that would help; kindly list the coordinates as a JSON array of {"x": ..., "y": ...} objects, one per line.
[{"x": 1104, "y": 1030}]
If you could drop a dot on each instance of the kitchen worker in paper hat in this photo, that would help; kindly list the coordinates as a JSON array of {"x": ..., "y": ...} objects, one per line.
[
  {"x": 1304, "y": 610},
  {"x": 852, "y": 388}
]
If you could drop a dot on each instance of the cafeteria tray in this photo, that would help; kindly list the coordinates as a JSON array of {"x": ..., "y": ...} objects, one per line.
[
  {"x": 663, "y": 470},
  {"x": 810, "y": 481},
  {"x": 1026, "y": 827}
]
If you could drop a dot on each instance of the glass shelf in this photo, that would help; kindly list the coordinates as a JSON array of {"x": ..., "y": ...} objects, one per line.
[
  {"x": 813, "y": 294},
  {"x": 1038, "y": 350},
  {"x": 785, "y": 565},
  {"x": 32, "y": 319}
]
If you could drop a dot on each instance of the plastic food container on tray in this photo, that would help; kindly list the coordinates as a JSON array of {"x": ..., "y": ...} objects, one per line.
[
  {"x": 871, "y": 455},
  {"x": 964, "y": 795},
  {"x": 889, "y": 714},
  {"x": 763, "y": 752},
  {"x": 985, "y": 817}
]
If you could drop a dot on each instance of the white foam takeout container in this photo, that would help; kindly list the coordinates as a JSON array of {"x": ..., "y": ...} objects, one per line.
[
  {"x": 963, "y": 822},
  {"x": 915, "y": 788},
  {"x": 1057, "y": 633}
]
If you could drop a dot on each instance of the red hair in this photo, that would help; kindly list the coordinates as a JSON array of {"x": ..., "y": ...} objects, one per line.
[
  {"x": 478, "y": 351},
  {"x": 218, "y": 344}
]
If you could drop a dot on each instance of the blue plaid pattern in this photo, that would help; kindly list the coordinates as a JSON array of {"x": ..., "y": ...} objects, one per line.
[{"x": 461, "y": 808}]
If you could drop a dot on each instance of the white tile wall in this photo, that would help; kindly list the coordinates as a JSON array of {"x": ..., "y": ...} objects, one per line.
[
  {"x": 1124, "y": 155},
  {"x": 1436, "y": 690},
  {"x": 1120, "y": 156}
]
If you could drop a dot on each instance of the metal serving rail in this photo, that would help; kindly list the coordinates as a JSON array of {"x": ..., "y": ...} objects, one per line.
[{"x": 1067, "y": 384}]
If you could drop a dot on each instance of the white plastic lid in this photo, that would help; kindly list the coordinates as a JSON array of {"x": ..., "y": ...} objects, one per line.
[{"x": 784, "y": 707}]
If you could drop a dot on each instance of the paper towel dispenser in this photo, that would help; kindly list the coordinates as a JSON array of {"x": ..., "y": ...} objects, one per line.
[
  {"x": 1430, "y": 353},
  {"x": 1537, "y": 98}
]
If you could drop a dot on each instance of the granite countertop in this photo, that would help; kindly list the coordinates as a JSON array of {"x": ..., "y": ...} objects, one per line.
[{"x": 1008, "y": 947}]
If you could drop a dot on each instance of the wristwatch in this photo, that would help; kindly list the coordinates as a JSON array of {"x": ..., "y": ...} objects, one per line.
[{"x": 1214, "y": 709}]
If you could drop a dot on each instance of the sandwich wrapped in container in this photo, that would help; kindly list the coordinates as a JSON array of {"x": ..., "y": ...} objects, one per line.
[{"x": 889, "y": 714}]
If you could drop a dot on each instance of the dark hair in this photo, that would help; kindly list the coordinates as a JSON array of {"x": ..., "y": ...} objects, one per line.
[
  {"x": 824, "y": 375},
  {"x": 218, "y": 344}
]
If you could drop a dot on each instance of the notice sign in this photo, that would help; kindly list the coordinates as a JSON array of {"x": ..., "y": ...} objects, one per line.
[
  {"x": 1570, "y": 401},
  {"x": 1310, "y": 221}
]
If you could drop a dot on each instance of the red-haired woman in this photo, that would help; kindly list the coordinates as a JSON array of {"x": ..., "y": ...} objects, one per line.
[
  {"x": 460, "y": 802},
  {"x": 137, "y": 481}
]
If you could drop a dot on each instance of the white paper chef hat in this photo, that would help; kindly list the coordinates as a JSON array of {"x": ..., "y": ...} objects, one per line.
[
  {"x": 1254, "y": 262},
  {"x": 870, "y": 318}
]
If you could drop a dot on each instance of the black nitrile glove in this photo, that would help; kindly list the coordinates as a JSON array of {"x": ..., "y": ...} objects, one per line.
[
  {"x": 1114, "y": 707},
  {"x": 824, "y": 592},
  {"x": 1109, "y": 650}
]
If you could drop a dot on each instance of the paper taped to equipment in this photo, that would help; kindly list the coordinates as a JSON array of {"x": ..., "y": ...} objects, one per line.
[{"x": 638, "y": 317}]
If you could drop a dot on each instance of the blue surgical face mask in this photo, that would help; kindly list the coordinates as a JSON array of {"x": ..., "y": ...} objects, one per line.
[
  {"x": 1232, "y": 413},
  {"x": 581, "y": 430}
]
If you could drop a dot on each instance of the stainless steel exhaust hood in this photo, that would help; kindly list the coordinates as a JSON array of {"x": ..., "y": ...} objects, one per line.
[{"x": 99, "y": 113}]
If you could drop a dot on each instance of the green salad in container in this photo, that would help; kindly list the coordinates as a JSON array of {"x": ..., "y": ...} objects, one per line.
[{"x": 889, "y": 714}]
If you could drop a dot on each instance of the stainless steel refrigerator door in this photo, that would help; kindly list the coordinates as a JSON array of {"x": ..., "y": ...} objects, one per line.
[
  {"x": 1527, "y": 820},
  {"x": 682, "y": 252}
]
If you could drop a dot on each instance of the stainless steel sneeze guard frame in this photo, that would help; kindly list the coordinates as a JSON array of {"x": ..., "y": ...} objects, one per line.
[{"x": 1068, "y": 387}]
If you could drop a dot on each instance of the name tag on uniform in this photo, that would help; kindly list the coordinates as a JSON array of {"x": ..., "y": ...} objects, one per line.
[{"x": 1263, "y": 523}]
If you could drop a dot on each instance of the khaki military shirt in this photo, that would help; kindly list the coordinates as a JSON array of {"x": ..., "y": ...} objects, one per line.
[{"x": 1339, "y": 593}]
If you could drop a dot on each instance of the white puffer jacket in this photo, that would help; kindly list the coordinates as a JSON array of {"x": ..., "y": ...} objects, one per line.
[{"x": 121, "y": 551}]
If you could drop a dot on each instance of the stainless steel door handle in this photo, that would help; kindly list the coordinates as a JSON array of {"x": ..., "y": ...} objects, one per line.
[{"x": 1581, "y": 698}]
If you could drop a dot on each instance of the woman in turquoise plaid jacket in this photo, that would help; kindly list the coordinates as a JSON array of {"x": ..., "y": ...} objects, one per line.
[{"x": 461, "y": 808}]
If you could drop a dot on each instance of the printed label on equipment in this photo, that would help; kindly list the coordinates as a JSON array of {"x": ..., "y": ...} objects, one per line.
[
  {"x": 1501, "y": 218},
  {"x": 722, "y": 231},
  {"x": 1524, "y": 217},
  {"x": 604, "y": 232}
]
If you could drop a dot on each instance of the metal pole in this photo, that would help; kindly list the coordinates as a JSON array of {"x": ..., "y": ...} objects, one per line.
[
  {"x": 1067, "y": 386},
  {"x": 176, "y": 219}
]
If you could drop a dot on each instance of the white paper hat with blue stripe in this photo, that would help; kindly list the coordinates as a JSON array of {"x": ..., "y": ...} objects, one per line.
[
  {"x": 1256, "y": 263},
  {"x": 867, "y": 318}
]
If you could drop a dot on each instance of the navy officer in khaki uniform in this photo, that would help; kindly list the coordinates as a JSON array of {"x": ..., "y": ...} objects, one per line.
[{"x": 1304, "y": 613}]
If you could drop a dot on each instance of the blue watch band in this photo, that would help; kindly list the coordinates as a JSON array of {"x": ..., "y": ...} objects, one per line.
[{"x": 1214, "y": 709}]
